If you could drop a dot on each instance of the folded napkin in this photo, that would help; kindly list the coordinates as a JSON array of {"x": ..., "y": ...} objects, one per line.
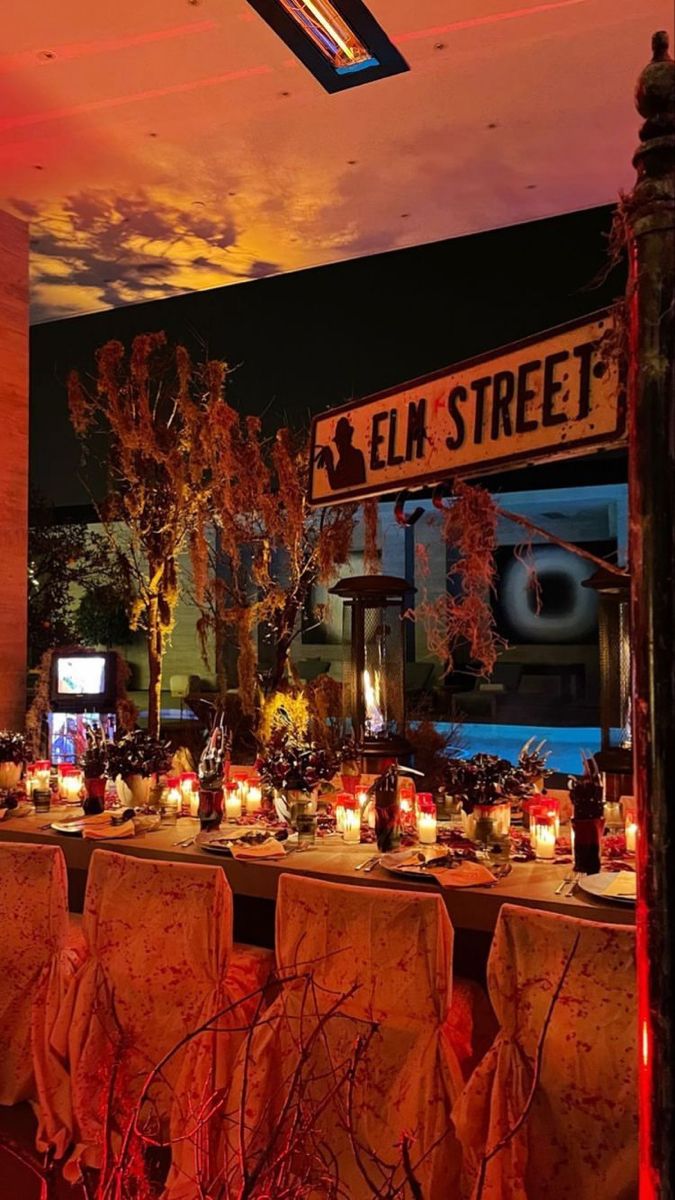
[
  {"x": 623, "y": 884},
  {"x": 467, "y": 874},
  {"x": 107, "y": 830},
  {"x": 269, "y": 849}
]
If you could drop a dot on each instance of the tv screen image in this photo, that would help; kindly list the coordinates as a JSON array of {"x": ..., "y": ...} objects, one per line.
[
  {"x": 82, "y": 675},
  {"x": 68, "y": 733}
]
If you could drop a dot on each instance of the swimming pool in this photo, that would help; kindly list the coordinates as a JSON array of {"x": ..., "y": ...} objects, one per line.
[{"x": 565, "y": 743}]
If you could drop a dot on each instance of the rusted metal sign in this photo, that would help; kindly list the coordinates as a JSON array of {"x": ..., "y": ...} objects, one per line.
[{"x": 550, "y": 396}]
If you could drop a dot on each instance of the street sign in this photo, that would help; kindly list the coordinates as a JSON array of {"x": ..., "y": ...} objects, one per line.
[{"x": 550, "y": 396}]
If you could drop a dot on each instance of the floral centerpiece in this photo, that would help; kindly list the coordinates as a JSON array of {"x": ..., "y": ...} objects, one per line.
[
  {"x": 95, "y": 764},
  {"x": 487, "y": 785},
  {"x": 136, "y": 757},
  {"x": 12, "y": 758}
]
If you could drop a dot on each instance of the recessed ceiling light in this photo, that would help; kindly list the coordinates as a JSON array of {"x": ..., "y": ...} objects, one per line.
[{"x": 339, "y": 41}]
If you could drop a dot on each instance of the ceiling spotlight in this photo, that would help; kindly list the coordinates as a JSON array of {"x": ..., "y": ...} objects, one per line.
[{"x": 341, "y": 43}]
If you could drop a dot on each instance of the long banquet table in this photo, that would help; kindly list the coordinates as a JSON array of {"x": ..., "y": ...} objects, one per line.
[{"x": 475, "y": 909}]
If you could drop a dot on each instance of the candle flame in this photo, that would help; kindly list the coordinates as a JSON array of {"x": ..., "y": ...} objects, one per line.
[{"x": 371, "y": 695}]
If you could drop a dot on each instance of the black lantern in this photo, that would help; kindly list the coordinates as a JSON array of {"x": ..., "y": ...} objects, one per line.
[
  {"x": 616, "y": 748},
  {"x": 376, "y": 692}
]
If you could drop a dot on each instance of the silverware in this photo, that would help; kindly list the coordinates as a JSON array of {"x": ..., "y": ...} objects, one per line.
[
  {"x": 576, "y": 876},
  {"x": 371, "y": 865},
  {"x": 366, "y": 863},
  {"x": 565, "y": 883},
  {"x": 185, "y": 842}
]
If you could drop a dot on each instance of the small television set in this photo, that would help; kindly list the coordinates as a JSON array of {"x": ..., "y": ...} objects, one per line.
[{"x": 83, "y": 680}]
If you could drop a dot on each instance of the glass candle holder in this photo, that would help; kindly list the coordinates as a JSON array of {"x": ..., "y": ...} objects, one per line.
[
  {"x": 351, "y": 829},
  {"x": 254, "y": 794},
  {"x": 189, "y": 790},
  {"x": 42, "y": 775},
  {"x": 613, "y": 815},
  {"x": 543, "y": 835},
  {"x": 232, "y": 802},
  {"x": 172, "y": 801},
  {"x": 240, "y": 780},
  {"x": 544, "y": 806},
  {"x": 71, "y": 785},
  {"x": 426, "y": 819},
  {"x": 631, "y": 831},
  {"x": 343, "y": 801}
]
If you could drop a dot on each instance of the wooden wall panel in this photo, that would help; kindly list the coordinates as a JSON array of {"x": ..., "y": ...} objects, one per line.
[{"x": 13, "y": 468}]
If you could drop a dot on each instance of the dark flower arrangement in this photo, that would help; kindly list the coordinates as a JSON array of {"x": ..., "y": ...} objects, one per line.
[
  {"x": 587, "y": 794},
  {"x": 291, "y": 764},
  {"x": 485, "y": 779},
  {"x": 12, "y": 747},
  {"x": 95, "y": 760},
  {"x": 138, "y": 753}
]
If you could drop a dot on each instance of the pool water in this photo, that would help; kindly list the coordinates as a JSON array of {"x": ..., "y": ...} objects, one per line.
[{"x": 565, "y": 743}]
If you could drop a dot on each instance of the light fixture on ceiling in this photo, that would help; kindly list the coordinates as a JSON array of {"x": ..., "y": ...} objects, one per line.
[{"x": 341, "y": 43}]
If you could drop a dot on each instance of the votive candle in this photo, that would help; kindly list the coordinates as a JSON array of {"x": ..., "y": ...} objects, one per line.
[
  {"x": 189, "y": 793},
  {"x": 173, "y": 801},
  {"x": 426, "y": 819},
  {"x": 232, "y": 801},
  {"x": 343, "y": 801},
  {"x": 72, "y": 786},
  {"x": 351, "y": 830},
  {"x": 544, "y": 836},
  {"x": 254, "y": 795},
  {"x": 240, "y": 780},
  {"x": 631, "y": 833}
]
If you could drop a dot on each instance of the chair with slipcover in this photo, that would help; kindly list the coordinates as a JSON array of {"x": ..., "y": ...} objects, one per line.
[
  {"x": 161, "y": 962},
  {"x": 40, "y": 950},
  {"x": 551, "y": 1111},
  {"x": 350, "y": 1080}
]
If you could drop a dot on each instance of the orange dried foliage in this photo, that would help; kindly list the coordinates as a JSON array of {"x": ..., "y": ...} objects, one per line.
[
  {"x": 371, "y": 557},
  {"x": 463, "y": 614}
]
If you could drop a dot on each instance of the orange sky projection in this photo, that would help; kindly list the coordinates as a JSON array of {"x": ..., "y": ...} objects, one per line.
[{"x": 176, "y": 145}]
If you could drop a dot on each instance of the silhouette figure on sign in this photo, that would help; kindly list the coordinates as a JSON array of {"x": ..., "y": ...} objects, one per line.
[{"x": 350, "y": 468}]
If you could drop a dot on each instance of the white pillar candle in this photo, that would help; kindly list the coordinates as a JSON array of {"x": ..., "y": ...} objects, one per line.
[
  {"x": 232, "y": 802},
  {"x": 631, "y": 836},
  {"x": 343, "y": 801},
  {"x": 426, "y": 826},
  {"x": 362, "y": 797},
  {"x": 544, "y": 841},
  {"x": 254, "y": 798},
  {"x": 194, "y": 803},
  {"x": 352, "y": 825}
]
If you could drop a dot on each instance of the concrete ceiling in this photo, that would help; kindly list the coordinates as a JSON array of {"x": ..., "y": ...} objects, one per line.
[{"x": 172, "y": 145}]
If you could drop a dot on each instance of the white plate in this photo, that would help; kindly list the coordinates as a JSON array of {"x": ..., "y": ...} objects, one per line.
[
  {"x": 218, "y": 842},
  {"x": 73, "y": 828},
  {"x": 595, "y": 885},
  {"x": 397, "y": 861}
]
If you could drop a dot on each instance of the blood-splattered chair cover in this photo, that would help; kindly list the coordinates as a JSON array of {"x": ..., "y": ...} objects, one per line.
[
  {"x": 161, "y": 963},
  {"x": 385, "y": 1064},
  {"x": 551, "y": 1111},
  {"x": 38, "y": 957}
]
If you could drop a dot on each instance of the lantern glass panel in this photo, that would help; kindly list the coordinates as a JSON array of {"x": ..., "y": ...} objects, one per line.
[
  {"x": 616, "y": 674},
  {"x": 382, "y": 672}
]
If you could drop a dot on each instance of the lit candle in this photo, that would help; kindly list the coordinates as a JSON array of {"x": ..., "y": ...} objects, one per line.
[
  {"x": 426, "y": 819},
  {"x": 30, "y": 780},
  {"x": 72, "y": 786},
  {"x": 612, "y": 814},
  {"x": 232, "y": 801},
  {"x": 362, "y": 797},
  {"x": 173, "y": 800},
  {"x": 351, "y": 829},
  {"x": 240, "y": 779},
  {"x": 343, "y": 801},
  {"x": 254, "y": 795},
  {"x": 631, "y": 831},
  {"x": 544, "y": 836},
  {"x": 189, "y": 794}
]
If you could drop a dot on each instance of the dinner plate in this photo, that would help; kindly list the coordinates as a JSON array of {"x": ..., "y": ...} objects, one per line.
[
  {"x": 219, "y": 842},
  {"x": 71, "y": 828},
  {"x": 398, "y": 862},
  {"x": 596, "y": 885}
]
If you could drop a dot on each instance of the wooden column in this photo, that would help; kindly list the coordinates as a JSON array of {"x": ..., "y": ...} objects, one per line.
[
  {"x": 650, "y": 212},
  {"x": 13, "y": 468}
]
